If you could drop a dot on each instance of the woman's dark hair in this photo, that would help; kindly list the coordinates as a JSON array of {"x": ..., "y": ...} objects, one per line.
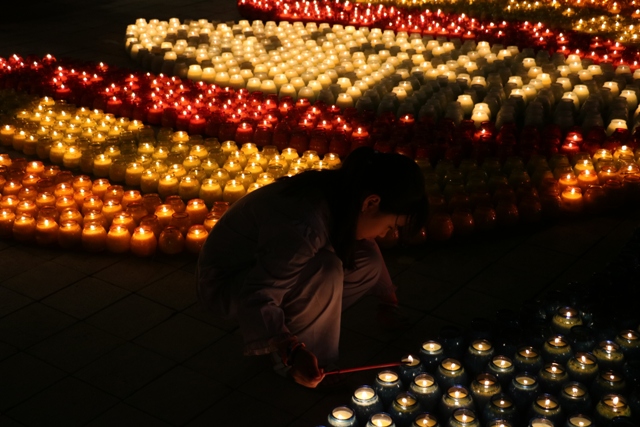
[{"x": 395, "y": 178}]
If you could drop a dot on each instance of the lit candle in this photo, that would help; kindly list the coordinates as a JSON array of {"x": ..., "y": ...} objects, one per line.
[
  {"x": 196, "y": 236},
  {"x": 118, "y": 239},
  {"x": 94, "y": 237},
  {"x": 143, "y": 242},
  {"x": 69, "y": 234},
  {"x": 387, "y": 386}
]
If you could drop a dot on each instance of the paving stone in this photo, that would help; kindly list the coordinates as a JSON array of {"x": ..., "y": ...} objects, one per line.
[
  {"x": 133, "y": 273},
  {"x": 22, "y": 377},
  {"x": 86, "y": 262},
  {"x": 125, "y": 369},
  {"x": 32, "y": 324},
  {"x": 68, "y": 402},
  {"x": 130, "y": 316},
  {"x": 178, "y": 396},
  {"x": 465, "y": 305},
  {"x": 123, "y": 415},
  {"x": 43, "y": 280},
  {"x": 528, "y": 259},
  {"x": 281, "y": 393},
  {"x": 6, "y": 350},
  {"x": 177, "y": 290},
  {"x": 75, "y": 347},
  {"x": 420, "y": 292},
  {"x": 14, "y": 261},
  {"x": 179, "y": 337},
  {"x": 231, "y": 411},
  {"x": 11, "y": 301},
  {"x": 224, "y": 362},
  {"x": 199, "y": 312},
  {"x": 85, "y": 297},
  {"x": 509, "y": 285}
]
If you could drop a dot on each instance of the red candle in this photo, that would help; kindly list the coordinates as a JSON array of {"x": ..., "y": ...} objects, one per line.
[
  {"x": 183, "y": 119},
  {"x": 113, "y": 105},
  {"x": 197, "y": 125},
  {"x": 154, "y": 115},
  {"x": 244, "y": 133}
]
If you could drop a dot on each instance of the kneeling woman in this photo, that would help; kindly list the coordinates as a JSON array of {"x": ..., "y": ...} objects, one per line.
[{"x": 288, "y": 258}]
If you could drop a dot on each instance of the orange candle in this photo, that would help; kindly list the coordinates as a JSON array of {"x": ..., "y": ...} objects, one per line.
[
  {"x": 99, "y": 187},
  {"x": 131, "y": 196},
  {"x": 94, "y": 237},
  {"x": 164, "y": 213},
  {"x": 27, "y": 207},
  {"x": 586, "y": 178},
  {"x": 7, "y": 217},
  {"x": 65, "y": 202},
  {"x": 63, "y": 189},
  {"x": 46, "y": 231},
  {"x": 197, "y": 210},
  {"x": 118, "y": 239},
  {"x": 110, "y": 209},
  {"x": 572, "y": 201},
  {"x": 69, "y": 234},
  {"x": 92, "y": 203},
  {"x": 125, "y": 220},
  {"x": 143, "y": 241},
  {"x": 24, "y": 228}
]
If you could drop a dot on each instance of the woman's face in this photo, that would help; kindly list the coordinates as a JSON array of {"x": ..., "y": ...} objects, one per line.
[{"x": 373, "y": 223}]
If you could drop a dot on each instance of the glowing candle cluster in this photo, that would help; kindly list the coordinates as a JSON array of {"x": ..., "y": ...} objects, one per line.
[{"x": 573, "y": 383}]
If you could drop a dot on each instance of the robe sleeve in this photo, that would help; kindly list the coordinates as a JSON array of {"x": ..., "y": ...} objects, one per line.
[{"x": 282, "y": 253}]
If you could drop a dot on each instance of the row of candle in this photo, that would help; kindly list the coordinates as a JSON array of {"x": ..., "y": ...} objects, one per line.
[
  {"x": 601, "y": 17},
  {"x": 456, "y": 23},
  {"x": 60, "y": 208},
  {"x": 296, "y": 72},
  {"x": 546, "y": 387}
]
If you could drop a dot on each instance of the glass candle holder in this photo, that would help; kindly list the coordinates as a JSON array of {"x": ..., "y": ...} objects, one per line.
[
  {"x": 608, "y": 382},
  {"x": 387, "y": 386},
  {"x": 540, "y": 422},
  {"x": 551, "y": 377},
  {"x": 609, "y": 407},
  {"x": 583, "y": 367},
  {"x": 500, "y": 407},
  {"x": 456, "y": 397},
  {"x": 564, "y": 319},
  {"x": 609, "y": 355},
  {"x": 464, "y": 418},
  {"x": 574, "y": 398},
  {"x": 579, "y": 420},
  {"x": 478, "y": 355},
  {"x": 404, "y": 408},
  {"x": 527, "y": 359},
  {"x": 582, "y": 339},
  {"x": 381, "y": 419},
  {"x": 629, "y": 342},
  {"x": 449, "y": 373},
  {"x": 547, "y": 406},
  {"x": 557, "y": 349},
  {"x": 482, "y": 388},
  {"x": 425, "y": 388},
  {"x": 499, "y": 423},
  {"x": 342, "y": 416},
  {"x": 425, "y": 420},
  {"x": 502, "y": 368},
  {"x": 431, "y": 354},
  {"x": 410, "y": 368},
  {"x": 365, "y": 403},
  {"x": 524, "y": 388}
]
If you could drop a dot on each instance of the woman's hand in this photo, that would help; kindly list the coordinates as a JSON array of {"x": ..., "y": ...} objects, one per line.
[{"x": 305, "y": 369}]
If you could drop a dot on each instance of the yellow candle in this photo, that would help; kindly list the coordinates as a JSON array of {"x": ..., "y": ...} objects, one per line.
[
  {"x": 164, "y": 213},
  {"x": 149, "y": 181},
  {"x": 189, "y": 188},
  {"x": 102, "y": 165},
  {"x": 71, "y": 158},
  {"x": 99, "y": 187},
  {"x": 233, "y": 191},
  {"x": 210, "y": 191},
  {"x": 168, "y": 185}
]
